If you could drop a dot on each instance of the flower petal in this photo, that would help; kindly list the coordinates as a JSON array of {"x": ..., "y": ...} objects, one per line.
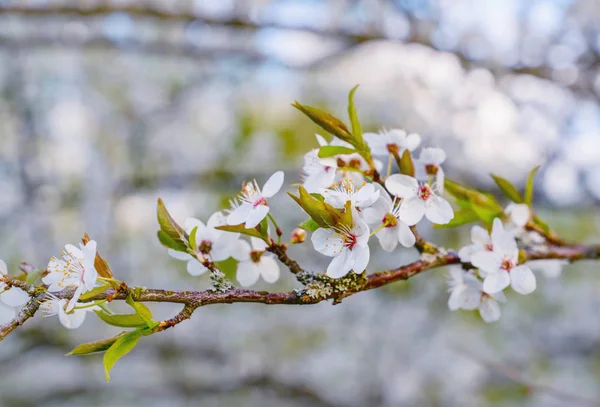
[
  {"x": 402, "y": 185},
  {"x": 195, "y": 268},
  {"x": 439, "y": 210},
  {"x": 14, "y": 297},
  {"x": 72, "y": 320},
  {"x": 496, "y": 282},
  {"x": 405, "y": 235},
  {"x": 179, "y": 255},
  {"x": 247, "y": 273},
  {"x": 361, "y": 258},
  {"x": 242, "y": 251},
  {"x": 240, "y": 214},
  {"x": 256, "y": 216},
  {"x": 503, "y": 241},
  {"x": 341, "y": 264},
  {"x": 3, "y": 268},
  {"x": 327, "y": 242},
  {"x": 522, "y": 280},
  {"x": 412, "y": 211},
  {"x": 480, "y": 235},
  {"x": 321, "y": 140},
  {"x": 487, "y": 261},
  {"x": 269, "y": 269},
  {"x": 519, "y": 214},
  {"x": 489, "y": 310},
  {"x": 412, "y": 141},
  {"x": 273, "y": 184},
  {"x": 6, "y": 314},
  {"x": 388, "y": 238}
]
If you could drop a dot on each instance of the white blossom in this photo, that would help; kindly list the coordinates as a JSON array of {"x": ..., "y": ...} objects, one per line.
[
  {"x": 213, "y": 243},
  {"x": 318, "y": 173},
  {"x": 255, "y": 263},
  {"x": 254, "y": 205},
  {"x": 361, "y": 196},
  {"x": 10, "y": 298},
  {"x": 481, "y": 240},
  {"x": 385, "y": 214},
  {"x": 500, "y": 266},
  {"x": 391, "y": 141},
  {"x": 466, "y": 292},
  {"x": 76, "y": 269},
  {"x": 519, "y": 215},
  {"x": 70, "y": 319},
  {"x": 420, "y": 200},
  {"x": 347, "y": 245},
  {"x": 429, "y": 164}
]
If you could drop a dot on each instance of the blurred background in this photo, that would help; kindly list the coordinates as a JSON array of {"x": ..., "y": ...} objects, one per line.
[{"x": 105, "y": 106}]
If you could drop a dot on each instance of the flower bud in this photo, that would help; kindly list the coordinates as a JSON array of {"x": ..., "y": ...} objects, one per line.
[{"x": 298, "y": 236}]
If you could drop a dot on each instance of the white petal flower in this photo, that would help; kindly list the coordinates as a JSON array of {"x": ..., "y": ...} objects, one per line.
[
  {"x": 70, "y": 319},
  {"x": 347, "y": 245},
  {"x": 362, "y": 196},
  {"x": 254, "y": 205},
  {"x": 12, "y": 297},
  {"x": 419, "y": 200},
  {"x": 466, "y": 292},
  {"x": 255, "y": 263},
  {"x": 75, "y": 270},
  {"x": 489, "y": 309},
  {"x": 318, "y": 173},
  {"x": 391, "y": 141}
]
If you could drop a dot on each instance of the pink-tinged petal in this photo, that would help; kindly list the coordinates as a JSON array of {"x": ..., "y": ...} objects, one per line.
[
  {"x": 269, "y": 269},
  {"x": 74, "y": 251},
  {"x": 14, "y": 297},
  {"x": 240, "y": 214},
  {"x": 3, "y": 268},
  {"x": 273, "y": 184},
  {"x": 326, "y": 242},
  {"x": 242, "y": 251},
  {"x": 256, "y": 216},
  {"x": 480, "y": 235},
  {"x": 489, "y": 310},
  {"x": 487, "y": 261},
  {"x": 405, "y": 235},
  {"x": 195, "y": 268},
  {"x": 361, "y": 258},
  {"x": 412, "y": 211},
  {"x": 247, "y": 273},
  {"x": 341, "y": 264},
  {"x": 522, "y": 280},
  {"x": 179, "y": 255},
  {"x": 439, "y": 210},
  {"x": 388, "y": 238},
  {"x": 402, "y": 185},
  {"x": 6, "y": 314},
  {"x": 496, "y": 282},
  {"x": 321, "y": 140}
]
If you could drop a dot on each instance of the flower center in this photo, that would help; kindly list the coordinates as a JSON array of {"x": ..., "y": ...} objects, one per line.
[
  {"x": 260, "y": 201},
  {"x": 507, "y": 265},
  {"x": 349, "y": 240},
  {"x": 255, "y": 255},
  {"x": 431, "y": 169},
  {"x": 389, "y": 220},
  {"x": 205, "y": 246},
  {"x": 424, "y": 192},
  {"x": 489, "y": 247}
]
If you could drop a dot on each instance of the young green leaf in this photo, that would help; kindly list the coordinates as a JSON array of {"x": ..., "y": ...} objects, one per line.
[
  {"x": 321, "y": 212},
  {"x": 142, "y": 310},
  {"x": 169, "y": 226},
  {"x": 309, "y": 225},
  {"x": 193, "y": 243},
  {"x": 263, "y": 229},
  {"x": 94, "y": 347},
  {"x": 94, "y": 291},
  {"x": 327, "y": 122},
  {"x": 508, "y": 189},
  {"x": 484, "y": 210},
  {"x": 529, "y": 186},
  {"x": 331, "y": 151},
  {"x": 169, "y": 243},
  {"x": 406, "y": 164},
  {"x": 254, "y": 232},
  {"x": 461, "y": 217},
  {"x": 354, "y": 122},
  {"x": 122, "y": 320},
  {"x": 122, "y": 346},
  {"x": 539, "y": 222}
]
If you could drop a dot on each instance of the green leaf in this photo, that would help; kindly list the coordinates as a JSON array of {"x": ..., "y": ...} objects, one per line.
[
  {"x": 122, "y": 320},
  {"x": 122, "y": 346},
  {"x": 241, "y": 229},
  {"x": 35, "y": 277},
  {"x": 142, "y": 310},
  {"x": 508, "y": 189},
  {"x": 94, "y": 292},
  {"x": 321, "y": 212},
  {"x": 309, "y": 225},
  {"x": 464, "y": 194},
  {"x": 354, "y": 122},
  {"x": 529, "y": 186},
  {"x": 538, "y": 221},
  {"x": 327, "y": 122},
  {"x": 263, "y": 229},
  {"x": 331, "y": 151},
  {"x": 458, "y": 191},
  {"x": 169, "y": 243},
  {"x": 94, "y": 347},
  {"x": 192, "y": 238},
  {"x": 406, "y": 164},
  {"x": 461, "y": 217},
  {"x": 169, "y": 226},
  {"x": 484, "y": 210}
]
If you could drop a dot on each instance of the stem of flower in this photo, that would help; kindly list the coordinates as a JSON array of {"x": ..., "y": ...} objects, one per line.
[
  {"x": 378, "y": 229},
  {"x": 277, "y": 230}
]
